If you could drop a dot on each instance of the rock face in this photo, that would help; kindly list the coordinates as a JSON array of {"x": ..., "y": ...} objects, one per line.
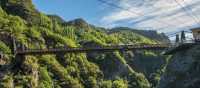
[
  {"x": 183, "y": 70},
  {"x": 23, "y": 8}
]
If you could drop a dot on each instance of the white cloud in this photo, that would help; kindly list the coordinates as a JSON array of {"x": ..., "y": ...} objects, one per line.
[
  {"x": 116, "y": 16},
  {"x": 158, "y": 14}
]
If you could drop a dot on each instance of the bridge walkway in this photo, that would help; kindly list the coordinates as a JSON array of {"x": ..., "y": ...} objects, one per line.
[{"x": 93, "y": 49}]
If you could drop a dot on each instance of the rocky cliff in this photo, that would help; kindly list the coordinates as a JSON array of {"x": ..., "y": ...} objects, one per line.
[{"x": 183, "y": 70}]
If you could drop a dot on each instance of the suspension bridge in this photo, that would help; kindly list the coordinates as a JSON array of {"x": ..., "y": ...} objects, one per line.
[
  {"x": 109, "y": 48},
  {"x": 181, "y": 43}
]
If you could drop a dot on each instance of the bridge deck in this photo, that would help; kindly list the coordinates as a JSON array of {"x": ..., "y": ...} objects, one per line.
[
  {"x": 93, "y": 49},
  {"x": 180, "y": 47}
]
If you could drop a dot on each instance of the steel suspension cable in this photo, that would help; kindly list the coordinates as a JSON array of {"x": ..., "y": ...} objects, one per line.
[
  {"x": 195, "y": 18},
  {"x": 128, "y": 10}
]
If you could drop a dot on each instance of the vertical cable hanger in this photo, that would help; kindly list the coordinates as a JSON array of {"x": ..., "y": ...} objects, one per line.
[{"x": 190, "y": 14}]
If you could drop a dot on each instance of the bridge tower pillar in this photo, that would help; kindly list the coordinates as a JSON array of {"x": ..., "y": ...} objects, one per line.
[
  {"x": 13, "y": 45},
  {"x": 17, "y": 60},
  {"x": 17, "y": 63},
  {"x": 177, "y": 39},
  {"x": 183, "y": 37}
]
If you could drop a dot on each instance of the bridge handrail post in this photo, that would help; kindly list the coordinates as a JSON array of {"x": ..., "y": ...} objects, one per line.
[{"x": 14, "y": 47}]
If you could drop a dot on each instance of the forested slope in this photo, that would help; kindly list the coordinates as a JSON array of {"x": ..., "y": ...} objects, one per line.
[{"x": 19, "y": 19}]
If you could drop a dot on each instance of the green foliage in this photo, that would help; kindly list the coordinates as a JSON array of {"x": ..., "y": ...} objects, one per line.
[
  {"x": 33, "y": 33},
  {"x": 36, "y": 30},
  {"x": 25, "y": 9},
  {"x": 2, "y": 13},
  {"x": 120, "y": 84},
  {"x": 92, "y": 38},
  {"x": 149, "y": 53},
  {"x": 121, "y": 59},
  {"x": 106, "y": 84},
  {"x": 124, "y": 38},
  {"x": 12, "y": 25},
  {"x": 69, "y": 31},
  {"x": 59, "y": 71},
  {"x": 6, "y": 82},
  {"x": 4, "y": 48},
  {"x": 45, "y": 79},
  {"x": 138, "y": 80},
  {"x": 45, "y": 22},
  {"x": 60, "y": 40}
]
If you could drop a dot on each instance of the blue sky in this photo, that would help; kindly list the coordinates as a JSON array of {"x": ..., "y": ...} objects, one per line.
[
  {"x": 162, "y": 15},
  {"x": 90, "y": 10}
]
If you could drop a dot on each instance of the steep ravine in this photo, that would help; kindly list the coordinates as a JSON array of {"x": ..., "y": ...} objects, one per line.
[
  {"x": 150, "y": 63},
  {"x": 183, "y": 70},
  {"x": 71, "y": 70}
]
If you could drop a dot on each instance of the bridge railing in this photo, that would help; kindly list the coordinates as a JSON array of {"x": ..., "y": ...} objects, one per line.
[
  {"x": 175, "y": 44},
  {"x": 108, "y": 47}
]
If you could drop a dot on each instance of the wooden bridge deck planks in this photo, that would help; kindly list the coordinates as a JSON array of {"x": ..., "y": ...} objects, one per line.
[{"x": 92, "y": 49}]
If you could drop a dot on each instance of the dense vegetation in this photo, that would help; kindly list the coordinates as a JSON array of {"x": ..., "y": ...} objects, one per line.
[{"x": 20, "y": 20}]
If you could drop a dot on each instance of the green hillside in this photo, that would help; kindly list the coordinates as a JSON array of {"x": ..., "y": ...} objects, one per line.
[{"x": 19, "y": 19}]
